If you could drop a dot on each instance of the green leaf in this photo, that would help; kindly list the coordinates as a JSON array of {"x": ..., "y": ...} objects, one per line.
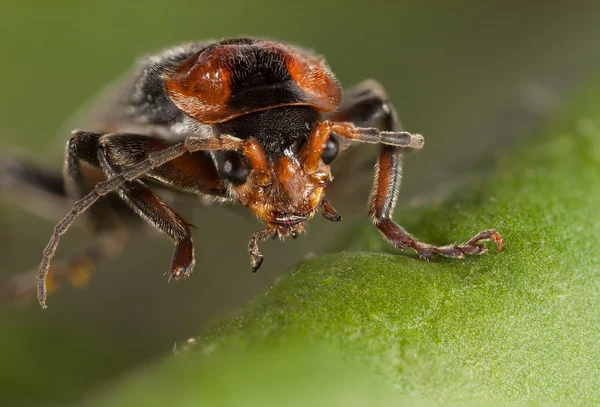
[
  {"x": 296, "y": 375},
  {"x": 520, "y": 325}
]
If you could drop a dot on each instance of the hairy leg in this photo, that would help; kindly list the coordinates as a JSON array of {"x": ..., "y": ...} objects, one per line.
[
  {"x": 117, "y": 148},
  {"x": 46, "y": 190},
  {"x": 367, "y": 104},
  {"x": 153, "y": 161}
]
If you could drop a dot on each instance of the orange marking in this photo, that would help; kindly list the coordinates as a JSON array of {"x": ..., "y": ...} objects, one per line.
[
  {"x": 316, "y": 145},
  {"x": 201, "y": 86},
  {"x": 310, "y": 75},
  {"x": 80, "y": 274},
  {"x": 261, "y": 174}
]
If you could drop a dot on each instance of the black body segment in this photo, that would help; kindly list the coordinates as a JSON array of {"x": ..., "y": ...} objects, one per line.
[
  {"x": 277, "y": 130},
  {"x": 146, "y": 100},
  {"x": 260, "y": 79}
]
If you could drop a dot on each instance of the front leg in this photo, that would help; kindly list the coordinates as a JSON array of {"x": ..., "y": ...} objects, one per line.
[
  {"x": 365, "y": 105},
  {"x": 153, "y": 160},
  {"x": 383, "y": 198},
  {"x": 115, "y": 150}
]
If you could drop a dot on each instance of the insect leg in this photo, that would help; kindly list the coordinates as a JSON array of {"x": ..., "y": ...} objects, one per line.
[
  {"x": 367, "y": 107},
  {"x": 130, "y": 173},
  {"x": 363, "y": 106},
  {"x": 383, "y": 199},
  {"x": 81, "y": 172},
  {"x": 370, "y": 104},
  {"x": 105, "y": 221},
  {"x": 117, "y": 147}
]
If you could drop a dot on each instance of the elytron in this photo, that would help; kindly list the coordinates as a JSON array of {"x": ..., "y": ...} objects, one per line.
[{"x": 251, "y": 121}]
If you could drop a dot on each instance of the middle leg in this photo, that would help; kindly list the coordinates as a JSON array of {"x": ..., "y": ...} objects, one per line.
[{"x": 113, "y": 148}]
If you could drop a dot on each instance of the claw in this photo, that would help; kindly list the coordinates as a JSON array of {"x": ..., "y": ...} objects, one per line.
[
  {"x": 472, "y": 247},
  {"x": 487, "y": 235},
  {"x": 181, "y": 273}
]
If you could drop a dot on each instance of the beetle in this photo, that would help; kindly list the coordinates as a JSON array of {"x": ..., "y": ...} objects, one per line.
[{"x": 252, "y": 121}]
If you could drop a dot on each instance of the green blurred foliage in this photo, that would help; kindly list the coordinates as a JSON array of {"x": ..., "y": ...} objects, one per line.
[
  {"x": 517, "y": 326},
  {"x": 448, "y": 69}
]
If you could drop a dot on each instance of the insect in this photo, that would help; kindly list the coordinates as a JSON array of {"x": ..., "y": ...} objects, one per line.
[{"x": 251, "y": 121}]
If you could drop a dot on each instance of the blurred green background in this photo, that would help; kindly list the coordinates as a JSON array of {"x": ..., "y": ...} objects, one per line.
[{"x": 470, "y": 76}]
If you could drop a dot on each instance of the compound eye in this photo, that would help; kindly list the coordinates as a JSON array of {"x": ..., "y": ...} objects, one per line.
[
  {"x": 331, "y": 150},
  {"x": 232, "y": 166}
]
